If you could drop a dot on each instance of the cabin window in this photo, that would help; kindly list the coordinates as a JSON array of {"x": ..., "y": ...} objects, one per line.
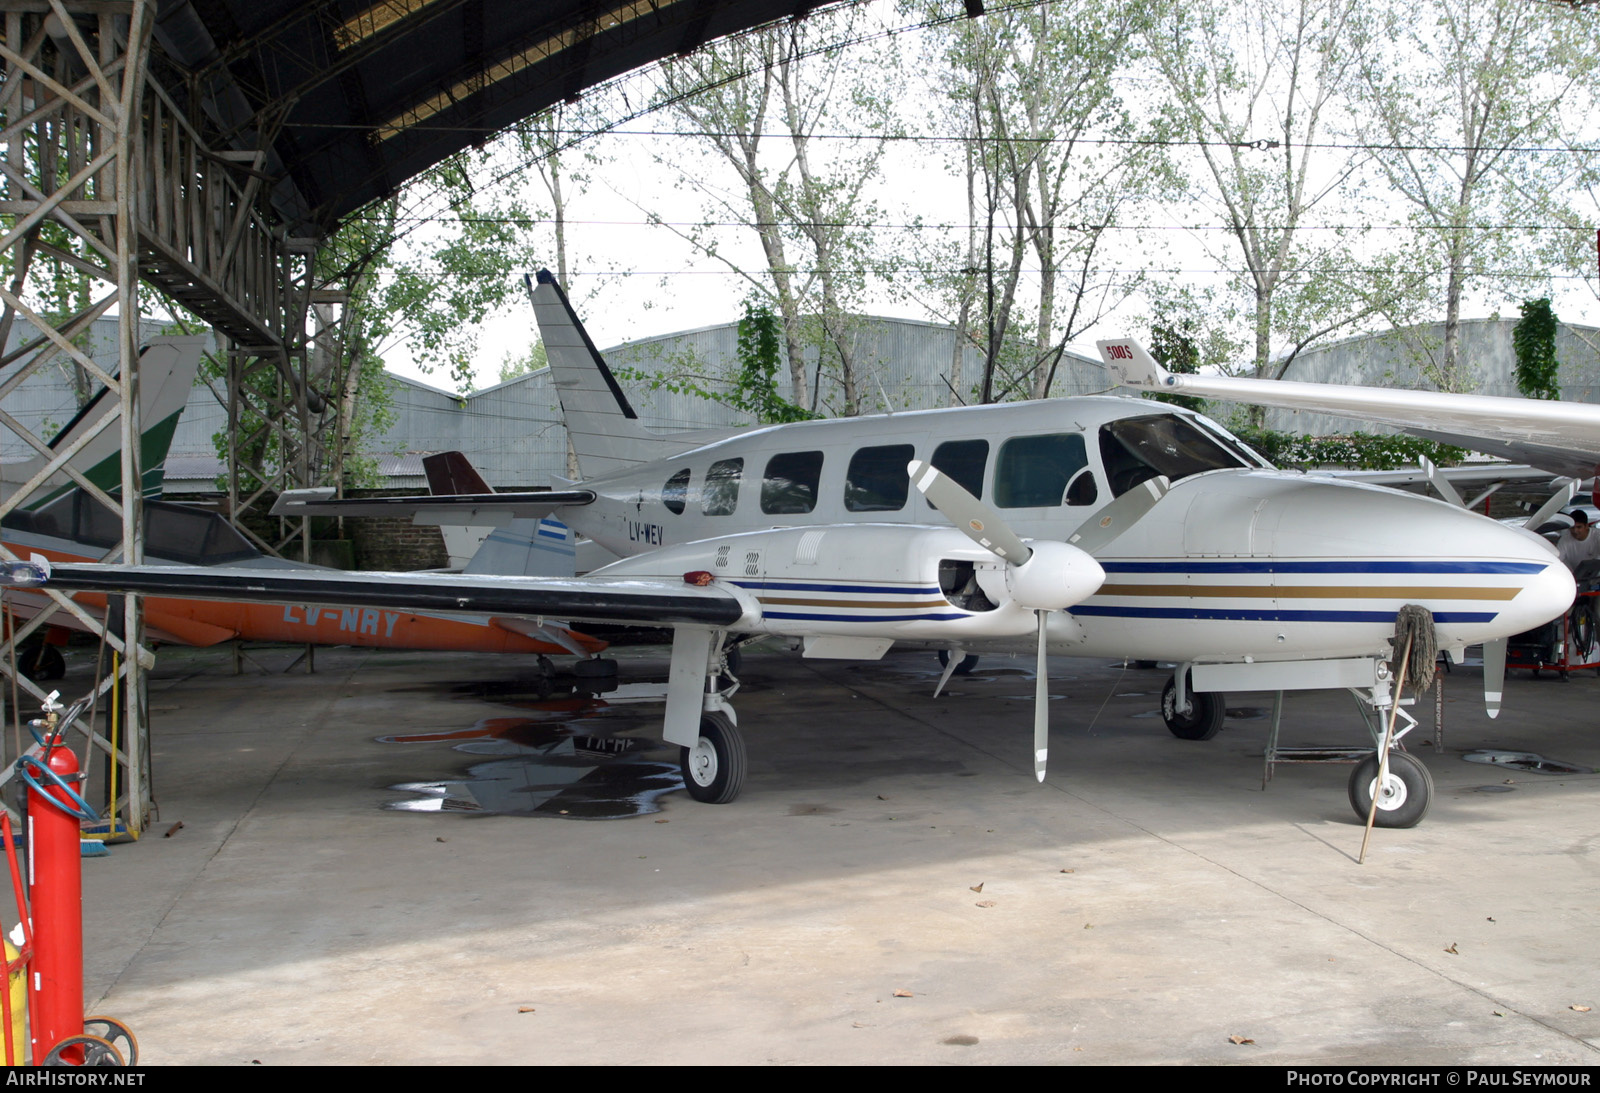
[
  {"x": 790, "y": 485},
  {"x": 721, "y": 491},
  {"x": 964, "y": 461},
  {"x": 675, "y": 494},
  {"x": 877, "y": 480},
  {"x": 1043, "y": 471},
  {"x": 1136, "y": 449}
]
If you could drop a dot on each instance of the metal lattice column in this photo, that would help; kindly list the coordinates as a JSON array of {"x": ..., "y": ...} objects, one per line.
[{"x": 70, "y": 105}]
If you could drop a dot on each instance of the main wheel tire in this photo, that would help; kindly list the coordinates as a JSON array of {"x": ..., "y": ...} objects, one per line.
[
  {"x": 1204, "y": 719},
  {"x": 1407, "y": 791},
  {"x": 713, "y": 770},
  {"x": 42, "y": 663},
  {"x": 968, "y": 662}
]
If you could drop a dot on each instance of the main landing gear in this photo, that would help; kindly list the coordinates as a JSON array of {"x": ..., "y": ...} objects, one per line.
[
  {"x": 711, "y": 757},
  {"x": 713, "y": 770},
  {"x": 1406, "y": 794},
  {"x": 1200, "y": 721}
]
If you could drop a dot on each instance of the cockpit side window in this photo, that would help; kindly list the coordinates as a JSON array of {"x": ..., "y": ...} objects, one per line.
[
  {"x": 675, "y": 494},
  {"x": 965, "y": 462},
  {"x": 1139, "y": 448},
  {"x": 721, "y": 492},
  {"x": 1041, "y": 471}
]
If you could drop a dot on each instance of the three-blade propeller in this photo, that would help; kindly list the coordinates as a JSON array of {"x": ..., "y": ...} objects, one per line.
[{"x": 1043, "y": 575}]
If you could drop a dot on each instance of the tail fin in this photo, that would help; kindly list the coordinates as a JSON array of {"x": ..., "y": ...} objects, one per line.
[
  {"x": 167, "y": 368},
  {"x": 602, "y": 424},
  {"x": 531, "y": 547},
  {"x": 452, "y": 473}
]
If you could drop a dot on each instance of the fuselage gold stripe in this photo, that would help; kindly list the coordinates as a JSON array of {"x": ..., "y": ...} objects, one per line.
[{"x": 898, "y": 605}]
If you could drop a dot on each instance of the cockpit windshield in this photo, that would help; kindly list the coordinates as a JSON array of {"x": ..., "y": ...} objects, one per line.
[{"x": 1136, "y": 449}]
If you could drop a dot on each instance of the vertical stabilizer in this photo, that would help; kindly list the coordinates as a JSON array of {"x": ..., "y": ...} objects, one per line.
[
  {"x": 167, "y": 367},
  {"x": 605, "y": 430}
]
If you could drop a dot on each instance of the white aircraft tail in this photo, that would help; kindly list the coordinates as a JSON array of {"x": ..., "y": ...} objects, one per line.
[
  {"x": 167, "y": 367},
  {"x": 604, "y": 428}
]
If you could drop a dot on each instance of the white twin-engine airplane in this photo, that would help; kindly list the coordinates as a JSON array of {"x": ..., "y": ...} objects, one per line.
[{"x": 1082, "y": 527}]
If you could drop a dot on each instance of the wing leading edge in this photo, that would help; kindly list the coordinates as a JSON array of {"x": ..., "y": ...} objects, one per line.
[
  {"x": 649, "y": 602},
  {"x": 1561, "y": 437}
]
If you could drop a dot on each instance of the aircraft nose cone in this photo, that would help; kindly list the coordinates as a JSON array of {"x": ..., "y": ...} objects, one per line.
[{"x": 1480, "y": 579}]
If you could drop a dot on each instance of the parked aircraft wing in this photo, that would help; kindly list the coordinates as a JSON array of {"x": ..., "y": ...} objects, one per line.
[
  {"x": 1561, "y": 437},
  {"x": 497, "y": 509},
  {"x": 657, "y": 602}
]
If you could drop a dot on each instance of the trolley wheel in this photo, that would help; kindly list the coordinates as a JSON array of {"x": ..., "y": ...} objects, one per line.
[
  {"x": 1407, "y": 791},
  {"x": 91, "y": 1050},
  {"x": 42, "y": 663},
  {"x": 117, "y": 1034}
]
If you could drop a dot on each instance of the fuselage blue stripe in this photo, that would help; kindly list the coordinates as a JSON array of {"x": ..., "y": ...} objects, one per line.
[
  {"x": 1324, "y": 567},
  {"x": 1246, "y": 615},
  {"x": 819, "y": 586}
]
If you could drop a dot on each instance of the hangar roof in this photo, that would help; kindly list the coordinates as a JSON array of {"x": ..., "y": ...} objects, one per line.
[{"x": 350, "y": 98}]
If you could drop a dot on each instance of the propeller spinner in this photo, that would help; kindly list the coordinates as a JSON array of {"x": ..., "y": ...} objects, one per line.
[{"x": 1041, "y": 575}]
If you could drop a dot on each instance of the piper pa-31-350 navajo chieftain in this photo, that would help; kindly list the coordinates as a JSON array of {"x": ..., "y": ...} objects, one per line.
[{"x": 1082, "y": 527}]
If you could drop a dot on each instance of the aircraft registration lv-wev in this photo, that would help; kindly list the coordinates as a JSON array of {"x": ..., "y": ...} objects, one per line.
[{"x": 1083, "y": 527}]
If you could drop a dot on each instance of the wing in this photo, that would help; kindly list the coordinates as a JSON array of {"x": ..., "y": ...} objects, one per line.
[
  {"x": 1561, "y": 437},
  {"x": 638, "y": 600}
]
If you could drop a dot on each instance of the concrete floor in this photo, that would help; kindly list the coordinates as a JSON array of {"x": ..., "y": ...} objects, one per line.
[{"x": 1144, "y": 905}]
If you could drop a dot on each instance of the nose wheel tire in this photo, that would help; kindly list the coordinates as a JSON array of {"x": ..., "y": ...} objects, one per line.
[
  {"x": 1204, "y": 719},
  {"x": 968, "y": 662},
  {"x": 1407, "y": 790},
  {"x": 713, "y": 770}
]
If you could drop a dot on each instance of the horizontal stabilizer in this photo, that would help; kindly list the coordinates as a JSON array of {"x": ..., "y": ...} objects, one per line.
[{"x": 484, "y": 509}]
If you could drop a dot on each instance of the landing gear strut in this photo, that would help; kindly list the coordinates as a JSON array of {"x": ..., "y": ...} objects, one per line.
[{"x": 699, "y": 718}]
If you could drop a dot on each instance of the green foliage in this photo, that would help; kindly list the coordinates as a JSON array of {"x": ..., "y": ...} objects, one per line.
[
  {"x": 1355, "y": 451},
  {"x": 1534, "y": 339},
  {"x": 1175, "y": 351},
  {"x": 755, "y": 389},
  {"x": 751, "y": 387},
  {"x": 513, "y": 365}
]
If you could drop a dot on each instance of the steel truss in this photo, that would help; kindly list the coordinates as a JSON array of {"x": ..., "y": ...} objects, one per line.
[{"x": 103, "y": 174}]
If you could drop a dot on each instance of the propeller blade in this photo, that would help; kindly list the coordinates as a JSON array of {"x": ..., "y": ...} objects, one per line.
[
  {"x": 1563, "y": 495},
  {"x": 1494, "y": 675},
  {"x": 1100, "y": 529},
  {"x": 976, "y": 520},
  {"x": 1041, "y": 706}
]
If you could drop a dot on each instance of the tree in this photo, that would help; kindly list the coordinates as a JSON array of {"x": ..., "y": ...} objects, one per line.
[
  {"x": 1258, "y": 90},
  {"x": 758, "y": 103},
  {"x": 1051, "y": 156},
  {"x": 1174, "y": 350},
  {"x": 1462, "y": 94},
  {"x": 1534, "y": 339}
]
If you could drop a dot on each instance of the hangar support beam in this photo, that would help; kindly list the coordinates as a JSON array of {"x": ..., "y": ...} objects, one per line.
[{"x": 104, "y": 183}]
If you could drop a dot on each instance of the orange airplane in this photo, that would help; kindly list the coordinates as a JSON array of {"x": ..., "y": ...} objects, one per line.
[{"x": 76, "y": 528}]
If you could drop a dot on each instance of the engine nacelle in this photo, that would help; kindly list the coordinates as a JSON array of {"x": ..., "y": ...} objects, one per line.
[{"x": 885, "y": 580}]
